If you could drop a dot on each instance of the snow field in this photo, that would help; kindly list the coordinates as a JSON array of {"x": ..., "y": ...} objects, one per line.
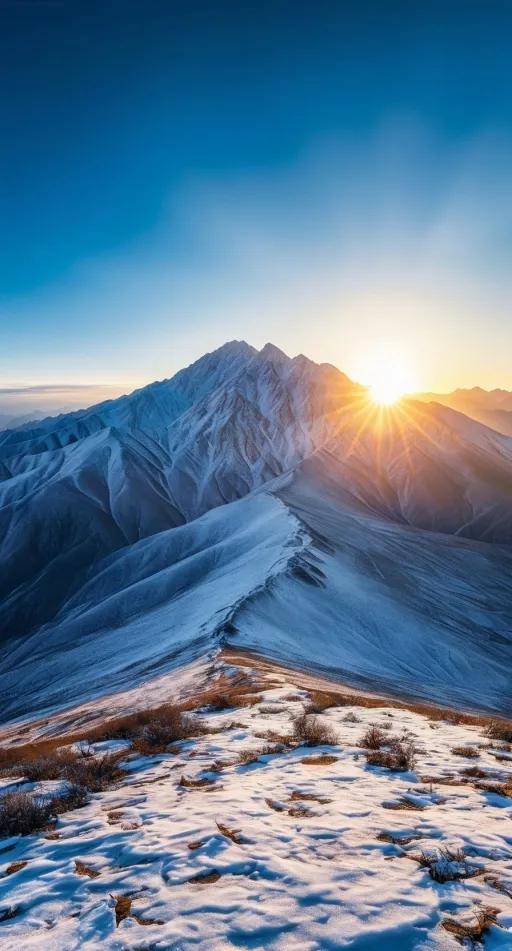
[{"x": 283, "y": 871}]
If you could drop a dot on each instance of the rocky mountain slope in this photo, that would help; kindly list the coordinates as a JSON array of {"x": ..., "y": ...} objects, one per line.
[{"x": 263, "y": 500}]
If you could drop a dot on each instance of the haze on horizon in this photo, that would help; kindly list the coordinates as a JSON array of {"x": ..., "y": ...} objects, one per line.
[{"x": 333, "y": 178}]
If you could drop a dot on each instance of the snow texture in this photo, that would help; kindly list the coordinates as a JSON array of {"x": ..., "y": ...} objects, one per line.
[{"x": 343, "y": 868}]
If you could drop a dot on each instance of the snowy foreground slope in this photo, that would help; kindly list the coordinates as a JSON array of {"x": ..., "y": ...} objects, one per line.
[
  {"x": 232, "y": 840},
  {"x": 263, "y": 501}
]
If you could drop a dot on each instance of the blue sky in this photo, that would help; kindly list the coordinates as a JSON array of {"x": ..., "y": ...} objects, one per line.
[{"x": 333, "y": 176}]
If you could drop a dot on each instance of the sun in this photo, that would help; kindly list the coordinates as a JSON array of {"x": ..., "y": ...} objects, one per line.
[
  {"x": 388, "y": 377},
  {"x": 386, "y": 391}
]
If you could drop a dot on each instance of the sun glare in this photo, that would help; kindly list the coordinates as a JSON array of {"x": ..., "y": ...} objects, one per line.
[
  {"x": 386, "y": 391},
  {"x": 388, "y": 379}
]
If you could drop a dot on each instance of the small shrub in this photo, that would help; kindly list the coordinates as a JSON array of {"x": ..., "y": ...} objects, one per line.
[
  {"x": 85, "y": 748},
  {"x": 484, "y": 918},
  {"x": 234, "y": 834},
  {"x": 195, "y": 783},
  {"x": 321, "y": 700},
  {"x": 351, "y": 718},
  {"x": 400, "y": 756},
  {"x": 252, "y": 756},
  {"x": 310, "y": 731},
  {"x": 499, "y": 730},
  {"x": 285, "y": 739},
  {"x": 448, "y": 865},
  {"x": 373, "y": 738},
  {"x": 323, "y": 759},
  {"x": 51, "y": 766},
  {"x": 468, "y": 751},
  {"x": 22, "y": 814},
  {"x": 73, "y": 798},
  {"x": 474, "y": 772},
  {"x": 499, "y": 789},
  {"x": 161, "y": 732},
  {"x": 95, "y": 773}
]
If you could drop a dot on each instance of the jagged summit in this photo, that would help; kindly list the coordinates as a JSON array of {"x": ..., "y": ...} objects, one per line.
[{"x": 271, "y": 352}]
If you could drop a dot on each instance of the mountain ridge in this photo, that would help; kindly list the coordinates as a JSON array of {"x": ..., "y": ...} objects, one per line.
[{"x": 93, "y": 506}]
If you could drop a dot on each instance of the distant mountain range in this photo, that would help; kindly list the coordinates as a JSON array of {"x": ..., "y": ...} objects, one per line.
[
  {"x": 491, "y": 407},
  {"x": 263, "y": 501}
]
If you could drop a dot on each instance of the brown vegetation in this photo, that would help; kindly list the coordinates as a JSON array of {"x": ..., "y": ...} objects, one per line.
[
  {"x": 484, "y": 918},
  {"x": 373, "y": 738},
  {"x": 396, "y": 839},
  {"x": 324, "y": 759},
  {"x": 448, "y": 865},
  {"x": 468, "y": 751},
  {"x": 400, "y": 756},
  {"x": 22, "y": 813},
  {"x": 297, "y": 795},
  {"x": 500, "y": 789},
  {"x": 205, "y": 878},
  {"x": 195, "y": 783},
  {"x": 85, "y": 870},
  {"x": 15, "y": 867},
  {"x": 499, "y": 730},
  {"x": 308, "y": 730},
  {"x": 405, "y": 804},
  {"x": 234, "y": 834}
]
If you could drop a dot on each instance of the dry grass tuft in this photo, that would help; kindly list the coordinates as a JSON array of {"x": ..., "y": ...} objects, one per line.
[
  {"x": 276, "y": 806},
  {"x": 373, "y": 738},
  {"x": 52, "y": 766},
  {"x": 95, "y": 773},
  {"x": 22, "y": 813},
  {"x": 484, "y": 918},
  {"x": 324, "y": 759},
  {"x": 320, "y": 700},
  {"x": 247, "y": 757},
  {"x": 298, "y": 796},
  {"x": 85, "y": 870},
  {"x": 205, "y": 878},
  {"x": 351, "y": 718},
  {"x": 499, "y": 730},
  {"x": 396, "y": 839},
  {"x": 122, "y": 908},
  {"x": 300, "y": 812},
  {"x": 284, "y": 739},
  {"x": 308, "y": 730},
  {"x": 448, "y": 865},
  {"x": 146, "y": 921},
  {"x": 234, "y": 834},
  {"x": 505, "y": 888},
  {"x": 500, "y": 789},
  {"x": 196, "y": 844},
  {"x": 15, "y": 867},
  {"x": 474, "y": 772},
  {"x": 165, "y": 726},
  {"x": 195, "y": 783},
  {"x": 404, "y": 804},
  {"x": 400, "y": 756},
  {"x": 469, "y": 752}
]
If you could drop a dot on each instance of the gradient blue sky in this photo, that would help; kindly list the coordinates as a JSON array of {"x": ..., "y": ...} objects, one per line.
[{"x": 333, "y": 176}]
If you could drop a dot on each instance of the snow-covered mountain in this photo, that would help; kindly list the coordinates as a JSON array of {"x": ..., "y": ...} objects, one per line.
[{"x": 262, "y": 500}]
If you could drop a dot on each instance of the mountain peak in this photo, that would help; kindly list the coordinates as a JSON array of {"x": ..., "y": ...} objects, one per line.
[{"x": 273, "y": 353}]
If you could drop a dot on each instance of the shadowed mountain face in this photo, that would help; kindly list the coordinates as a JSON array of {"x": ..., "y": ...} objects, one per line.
[{"x": 251, "y": 484}]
